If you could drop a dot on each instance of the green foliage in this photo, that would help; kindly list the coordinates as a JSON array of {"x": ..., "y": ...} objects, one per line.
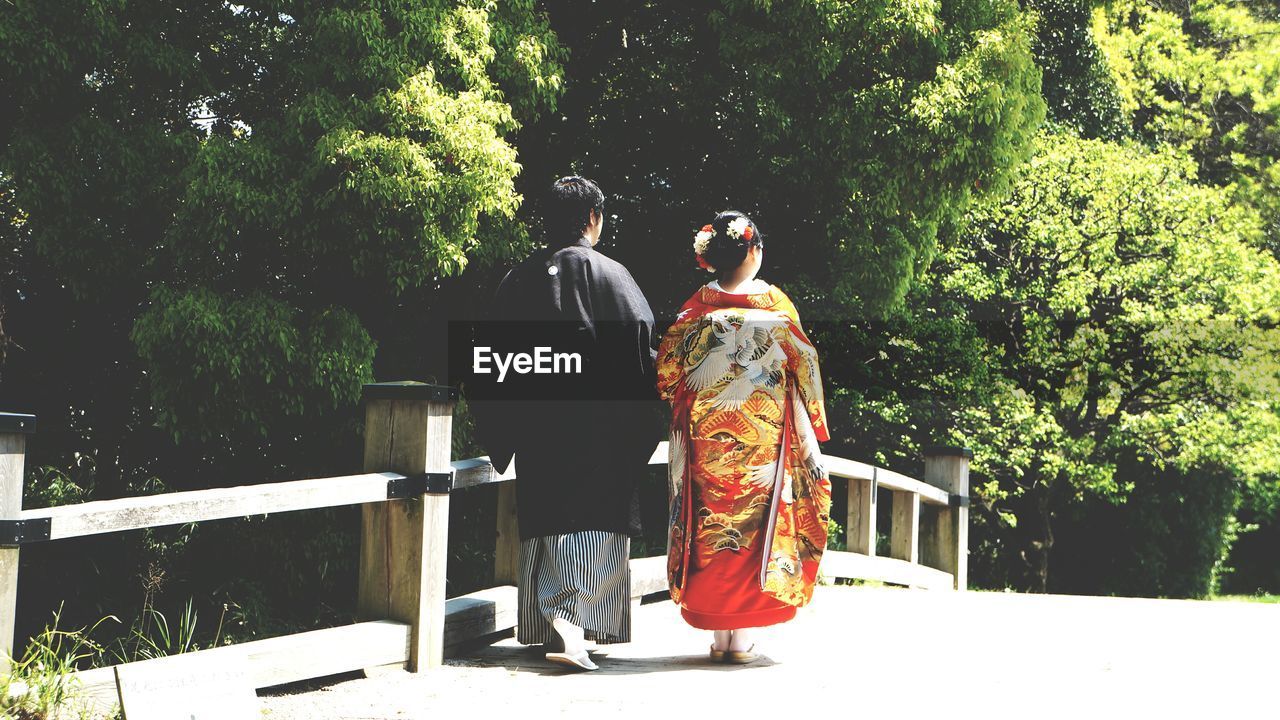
[
  {"x": 1110, "y": 307},
  {"x": 41, "y": 684},
  {"x": 906, "y": 107},
  {"x": 850, "y": 131},
  {"x": 1079, "y": 88},
  {"x": 835, "y": 536},
  {"x": 1128, "y": 311},
  {"x": 1168, "y": 538},
  {"x": 14, "y": 243},
  {"x": 48, "y": 486},
  {"x": 1261, "y": 598},
  {"x": 1131, "y": 305},
  {"x": 213, "y": 359},
  {"x": 1204, "y": 77},
  {"x": 264, "y": 177},
  {"x": 1251, "y": 566},
  {"x": 151, "y": 636},
  {"x": 1199, "y": 80}
]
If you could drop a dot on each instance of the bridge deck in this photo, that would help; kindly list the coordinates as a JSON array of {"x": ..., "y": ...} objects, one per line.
[{"x": 855, "y": 650}]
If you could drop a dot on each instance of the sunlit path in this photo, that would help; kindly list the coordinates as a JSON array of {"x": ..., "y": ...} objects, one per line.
[{"x": 860, "y": 650}]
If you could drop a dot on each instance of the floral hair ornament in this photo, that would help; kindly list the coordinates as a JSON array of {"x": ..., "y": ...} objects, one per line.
[
  {"x": 700, "y": 243},
  {"x": 740, "y": 229}
]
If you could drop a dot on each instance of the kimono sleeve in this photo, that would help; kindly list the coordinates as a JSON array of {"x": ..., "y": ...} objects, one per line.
[
  {"x": 670, "y": 365},
  {"x": 802, "y": 363}
]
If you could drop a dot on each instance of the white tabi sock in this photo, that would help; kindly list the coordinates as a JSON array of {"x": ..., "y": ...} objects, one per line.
[{"x": 574, "y": 639}]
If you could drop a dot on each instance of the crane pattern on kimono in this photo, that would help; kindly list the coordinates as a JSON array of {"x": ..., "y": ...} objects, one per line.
[{"x": 737, "y": 345}]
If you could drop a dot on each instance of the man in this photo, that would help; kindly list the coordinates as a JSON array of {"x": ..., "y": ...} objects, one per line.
[{"x": 580, "y": 439}]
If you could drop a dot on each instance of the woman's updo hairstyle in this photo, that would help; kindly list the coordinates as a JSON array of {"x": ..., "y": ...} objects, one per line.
[{"x": 727, "y": 248}]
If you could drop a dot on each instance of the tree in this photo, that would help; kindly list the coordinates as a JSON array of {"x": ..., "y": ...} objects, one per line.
[
  {"x": 851, "y": 132},
  {"x": 1101, "y": 335},
  {"x": 265, "y": 179},
  {"x": 1204, "y": 77},
  {"x": 1128, "y": 313},
  {"x": 1079, "y": 88},
  {"x": 227, "y": 207}
]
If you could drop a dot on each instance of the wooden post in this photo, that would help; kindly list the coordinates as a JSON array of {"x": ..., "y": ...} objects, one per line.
[
  {"x": 945, "y": 540},
  {"x": 904, "y": 534},
  {"x": 13, "y": 446},
  {"x": 506, "y": 551},
  {"x": 860, "y": 528},
  {"x": 404, "y": 543}
]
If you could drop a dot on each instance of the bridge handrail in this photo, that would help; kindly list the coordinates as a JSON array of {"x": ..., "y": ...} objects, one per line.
[
  {"x": 178, "y": 508},
  {"x": 216, "y": 504}
]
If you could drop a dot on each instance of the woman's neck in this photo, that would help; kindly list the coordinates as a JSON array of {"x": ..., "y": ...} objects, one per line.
[{"x": 735, "y": 282}]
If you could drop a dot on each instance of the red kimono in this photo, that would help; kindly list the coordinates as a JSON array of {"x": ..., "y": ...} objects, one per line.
[{"x": 750, "y": 500}]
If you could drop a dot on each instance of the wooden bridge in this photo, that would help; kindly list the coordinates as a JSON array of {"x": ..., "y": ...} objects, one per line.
[
  {"x": 861, "y": 652},
  {"x": 406, "y": 622}
]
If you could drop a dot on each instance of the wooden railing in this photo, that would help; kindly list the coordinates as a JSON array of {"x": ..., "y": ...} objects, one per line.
[{"x": 404, "y": 616}]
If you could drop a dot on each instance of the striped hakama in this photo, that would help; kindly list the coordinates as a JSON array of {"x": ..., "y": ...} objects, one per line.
[{"x": 583, "y": 577}]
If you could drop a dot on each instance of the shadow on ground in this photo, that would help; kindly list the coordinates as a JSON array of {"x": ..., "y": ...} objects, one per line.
[{"x": 530, "y": 660}]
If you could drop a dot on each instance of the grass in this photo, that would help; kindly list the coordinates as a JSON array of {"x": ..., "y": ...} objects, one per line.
[
  {"x": 1261, "y": 598},
  {"x": 41, "y": 685},
  {"x": 151, "y": 636}
]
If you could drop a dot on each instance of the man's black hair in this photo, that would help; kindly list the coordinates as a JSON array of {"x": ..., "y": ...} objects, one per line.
[{"x": 566, "y": 212}]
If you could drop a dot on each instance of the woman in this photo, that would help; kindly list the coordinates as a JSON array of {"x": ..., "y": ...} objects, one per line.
[{"x": 750, "y": 498}]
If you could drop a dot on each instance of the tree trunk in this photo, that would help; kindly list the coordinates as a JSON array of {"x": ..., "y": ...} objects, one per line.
[{"x": 1044, "y": 545}]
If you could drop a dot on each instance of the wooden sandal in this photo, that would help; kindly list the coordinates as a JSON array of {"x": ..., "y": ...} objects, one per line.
[
  {"x": 717, "y": 656},
  {"x": 733, "y": 657}
]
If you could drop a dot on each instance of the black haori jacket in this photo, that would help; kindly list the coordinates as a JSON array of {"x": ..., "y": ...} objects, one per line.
[{"x": 581, "y": 437}]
